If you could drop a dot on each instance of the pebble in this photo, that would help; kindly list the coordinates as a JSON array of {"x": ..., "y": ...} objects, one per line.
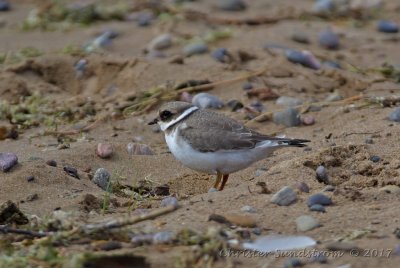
[
  {"x": 32, "y": 197},
  {"x": 319, "y": 258},
  {"x": 110, "y": 245},
  {"x": 205, "y": 100},
  {"x": 395, "y": 115},
  {"x": 213, "y": 190},
  {"x": 247, "y": 86},
  {"x": 4, "y": 5},
  {"x": 304, "y": 58},
  {"x": 329, "y": 188},
  {"x": 322, "y": 174},
  {"x": 73, "y": 172},
  {"x": 292, "y": 263},
  {"x": 249, "y": 209},
  {"x": 334, "y": 97},
  {"x": 386, "y": 26},
  {"x": 160, "y": 42},
  {"x": 290, "y": 117},
  {"x": 318, "y": 207},
  {"x": 308, "y": 120},
  {"x": 104, "y": 39},
  {"x": 331, "y": 64},
  {"x": 242, "y": 220},
  {"x": 138, "y": 149},
  {"x": 169, "y": 201},
  {"x": 164, "y": 237},
  {"x": 234, "y": 105},
  {"x": 194, "y": 49},
  {"x": 51, "y": 163},
  {"x": 144, "y": 19},
  {"x": 390, "y": 189},
  {"x": 375, "y": 158},
  {"x": 104, "y": 150},
  {"x": 102, "y": 178},
  {"x": 323, "y": 6},
  {"x": 305, "y": 223},
  {"x": 8, "y": 161},
  {"x": 30, "y": 178},
  {"x": 300, "y": 37},
  {"x": 369, "y": 141},
  {"x": 221, "y": 55},
  {"x": 328, "y": 39},
  {"x": 288, "y": 101},
  {"x": 257, "y": 231},
  {"x": 303, "y": 187},
  {"x": 284, "y": 197},
  {"x": 319, "y": 199},
  {"x": 231, "y": 5},
  {"x": 185, "y": 96}
]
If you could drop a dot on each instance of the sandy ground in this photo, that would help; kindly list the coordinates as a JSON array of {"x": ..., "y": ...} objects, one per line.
[{"x": 337, "y": 138}]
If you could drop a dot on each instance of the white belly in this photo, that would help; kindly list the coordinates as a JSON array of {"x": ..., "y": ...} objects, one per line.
[{"x": 225, "y": 162}]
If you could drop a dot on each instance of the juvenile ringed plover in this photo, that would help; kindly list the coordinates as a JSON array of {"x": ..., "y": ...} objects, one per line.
[{"x": 213, "y": 143}]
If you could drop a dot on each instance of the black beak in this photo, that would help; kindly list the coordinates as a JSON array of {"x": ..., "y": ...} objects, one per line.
[{"x": 153, "y": 122}]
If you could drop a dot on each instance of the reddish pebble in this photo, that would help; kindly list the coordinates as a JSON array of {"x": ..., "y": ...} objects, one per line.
[
  {"x": 301, "y": 186},
  {"x": 187, "y": 97},
  {"x": 104, "y": 150},
  {"x": 308, "y": 120}
]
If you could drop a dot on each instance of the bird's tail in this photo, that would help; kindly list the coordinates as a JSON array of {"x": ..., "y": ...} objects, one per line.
[{"x": 293, "y": 142}]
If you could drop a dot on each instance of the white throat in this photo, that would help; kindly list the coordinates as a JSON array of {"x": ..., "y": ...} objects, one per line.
[{"x": 165, "y": 126}]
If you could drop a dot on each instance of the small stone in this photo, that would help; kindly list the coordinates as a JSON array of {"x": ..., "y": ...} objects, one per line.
[
  {"x": 205, "y": 100},
  {"x": 104, "y": 150},
  {"x": 247, "y": 86},
  {"x": 300, "y": 37},
  {"x": 102, "y": 178},
  {"x": 369, "y": 141},
  {"x": 329, "y": 188},
  {"x": 308, "y": 120},
  {"x": 319, "y": 199},
  {"x": 73, "y": 172},
  {"x": 169, "y": 201},
  {"x": 322, "y": 174},
  {"x": 213, "y": 190},
  {"x": 110, "y": 245},
  {"x": 331, "y": 65},
  {"x": 185, "y": 96},
  {"x": 4, "y": 5},
  {"x": 30, "y": 178},
  {"x": 290, "y": 117},
  {"x": 318, "y": 208},
  {"x": 395, "y": 115},
  {"x": 319, "y": 258},
  {"x": 165, "y": 237},
  {"x": 194, "y": 49},
  {"x": 243, "y": 220},
  {"x": 80, "y": 67},
  {"x": 323, "y": 7},
  {"x": 235, "y": 105},
  {"x": 144, "y": 18},
  {"x": 304, "y": 58},
  {"x": 8, "y": 161},
  {"x": 284, "y": 197},
  {"x": 396, "y": 232},
  {"x": 249, "y": 209},
  {"x": 288, "y": 101},
  {"x": 306, "y": 223},
  {"x": 138, "y": 149},
  {"x": 257, "y": 231},
  {"x": 390, "y": 189},
  {"x": 385, "y": 26},
  {"x": 375, "y": 158},
  {"x": 328, "y": 39},
  {"x": 262, "y": 93},
  {"x": 51, "y": 163},
  {"x": 221, "y": 55},
  {"x": 303, "y": 187},
  {"x": 334, "y": 97},
  {"x": 231, "y": 5},
  {"x": 32, "y": 197},
  {"x": 160, "y": 42},
  {"x": 292, "y": 263}
]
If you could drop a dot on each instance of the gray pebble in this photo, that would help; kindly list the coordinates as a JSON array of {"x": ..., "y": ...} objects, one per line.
[
  {"x": 169, "y": 201},
  {"x": 329, "y": 188},
  {"x": 213, "y": 190},
  {"x": 305, "y": 223},
  {"x": 300, "y": 37},
  {"x": 249, "y": 209},
  {"x": 163, "y": 237},
  {"x": 257, "y": 231},
  {"x": 369, "y": 141},
  {"x": 292, "y": 263},
  {"x": 334, "y": 97},
  {"x": 195, "y": 48},
  {"x": 231, "y": 5},
  {"x": 328, "y": 39},
  {"x": 395, "y": 115},
  {"x": 247, "y": 86},
  {"x": 104, "y": 150},
  {"x": 322, "y": 174},
  {"x": 290, "y": 117},
  {"x": 319, "y": 199},
  {"x": 7, "y": 161},
  {"x": 323, "y": 7},
  {"x": 102, "y": 178},
  {"x": 288, "y": 101},
  {"x": 284, "y": 197},
  {"x": 205, "y": 100},
  {"x": 318, "y": 207},
  {"x": 30, "y": 178},
  {"x": 163, "y": 41},
  {"x": 138, "y": 149},
  {"x": 303, "y": 187}
]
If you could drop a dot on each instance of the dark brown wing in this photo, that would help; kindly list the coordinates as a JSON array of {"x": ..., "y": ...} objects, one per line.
[{"x": 223, "y": 133}]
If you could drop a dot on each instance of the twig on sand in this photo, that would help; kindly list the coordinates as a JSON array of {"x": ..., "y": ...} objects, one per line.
[
  {"x": 362, "y": 133},
  {"x": 8, "y": 230}
]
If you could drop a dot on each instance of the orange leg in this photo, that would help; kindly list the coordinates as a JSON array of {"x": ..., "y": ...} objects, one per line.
[
  {"x": 224, "y": 180},
  {"x": 218, "y": 179}
]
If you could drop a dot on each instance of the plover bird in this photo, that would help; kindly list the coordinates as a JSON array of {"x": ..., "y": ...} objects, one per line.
[{"x": 213, "y": 143}]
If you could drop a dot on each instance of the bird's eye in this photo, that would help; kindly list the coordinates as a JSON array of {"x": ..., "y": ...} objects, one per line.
[{"x": 165, "y": 115}]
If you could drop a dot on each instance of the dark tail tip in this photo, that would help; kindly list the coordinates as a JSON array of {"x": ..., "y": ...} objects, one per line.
[{"x": 297, "y": 142}]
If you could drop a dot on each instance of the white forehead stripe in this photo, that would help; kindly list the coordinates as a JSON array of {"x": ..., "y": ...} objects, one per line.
[{"x": 179, "y": 118}]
